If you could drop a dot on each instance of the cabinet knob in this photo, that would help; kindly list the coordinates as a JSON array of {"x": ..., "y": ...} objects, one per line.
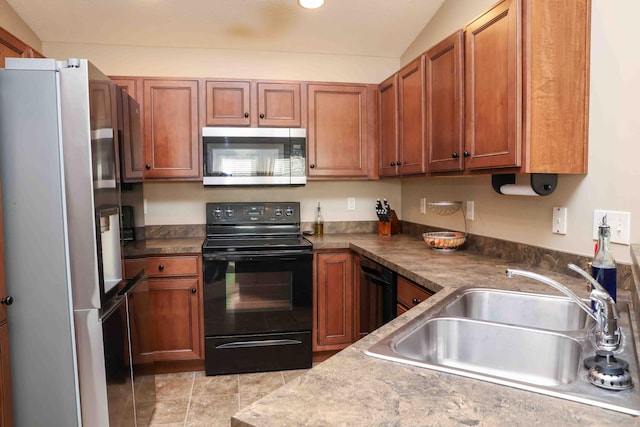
[
  {"x": 147, "y": 166},
  {"x": 161, "y": 267},
  {"x": 312, "y": 166},
  {"x": 416, "y": 301},
  {"x": 399, "y": 163},
  {"x": 8, "y": 300},
  {"x": 193, "y": 290},
  {"x": 392, "y": 164},
  {"x": 262, "y": 115},
  {"x": 246, "y": 115},
  {"x": 455, "y": 155},
  {"x": 466, "y": 154}
]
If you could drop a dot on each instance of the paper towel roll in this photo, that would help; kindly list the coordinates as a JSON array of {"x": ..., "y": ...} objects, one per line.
[{"x": 518, "y": 190}]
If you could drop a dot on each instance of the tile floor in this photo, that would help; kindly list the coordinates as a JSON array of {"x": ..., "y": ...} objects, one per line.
[{"x": 195, "y": 400}]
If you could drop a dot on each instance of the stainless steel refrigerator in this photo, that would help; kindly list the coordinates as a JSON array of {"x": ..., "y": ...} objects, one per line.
[{"x": 68, "y": 326}]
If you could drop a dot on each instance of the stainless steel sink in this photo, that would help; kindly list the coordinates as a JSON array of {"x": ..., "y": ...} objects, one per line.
[
  {"x": 506, "y": 338},
  {"x": 501, "y": 351},
  {"x": 519, "y": 308}
]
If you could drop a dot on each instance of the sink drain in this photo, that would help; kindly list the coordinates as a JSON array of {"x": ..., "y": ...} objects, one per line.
[{"x": 605, "y": 371}]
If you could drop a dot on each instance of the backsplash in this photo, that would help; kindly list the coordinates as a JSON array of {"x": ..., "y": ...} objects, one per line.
[{"x": 521, "y": 253}]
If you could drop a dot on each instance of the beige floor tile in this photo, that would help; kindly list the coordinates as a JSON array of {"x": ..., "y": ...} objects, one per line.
[
  {"x": 290, "y": 375},
  {"x": 170, "y": 412},
  {"x": 173, "y": 388},
  {"x": 213, "y": 422},
  {"x": 215, "y": 385},
  {"x": 248, "y": 397},
  {"x": 205, "y": 408},
  {"x": 260, "y": 382},
  {"x": 175, "y": 375}
]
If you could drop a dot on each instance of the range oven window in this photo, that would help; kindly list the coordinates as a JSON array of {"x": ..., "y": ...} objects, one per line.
[
  {"x": 253, "y": 291},
  {"x": 257, "y": 293}
]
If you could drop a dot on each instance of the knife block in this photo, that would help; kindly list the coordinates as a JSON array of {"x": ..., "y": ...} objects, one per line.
[{"x": 390, "y": 227}]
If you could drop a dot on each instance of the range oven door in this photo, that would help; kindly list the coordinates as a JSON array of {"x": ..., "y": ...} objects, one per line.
[{"x": 257, "y": 311}]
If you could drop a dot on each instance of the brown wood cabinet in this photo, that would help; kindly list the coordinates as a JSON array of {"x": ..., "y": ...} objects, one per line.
[
  {"x": 410, "y": 294},
  {"x": 132, "y": 156},
  {"x": 341, "y": 131},
  {"x": 253, "y": 103},
  {"x": 6, "y": 410},
  {"x": 388, "y": 122},
  {"x": 527, "y": 86},
  {"x": 175, "y": 307},
  {"x": 334, "y": 320},
  {"x": 444, "y": 71},
  {"x": 401, "y": 108},
  {"x": 172, "y": 129}
]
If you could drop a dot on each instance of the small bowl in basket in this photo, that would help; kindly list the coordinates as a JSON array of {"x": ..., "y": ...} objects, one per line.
[{"x": 445, "y": 240}]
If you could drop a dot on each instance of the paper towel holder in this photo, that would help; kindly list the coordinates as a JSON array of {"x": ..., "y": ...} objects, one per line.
[{"x": 542, "y": 184}]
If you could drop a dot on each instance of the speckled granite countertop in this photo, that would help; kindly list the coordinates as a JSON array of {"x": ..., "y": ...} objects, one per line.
[
  {"x": 163, "y": 247},
  {"x": 352, "y": 389}
]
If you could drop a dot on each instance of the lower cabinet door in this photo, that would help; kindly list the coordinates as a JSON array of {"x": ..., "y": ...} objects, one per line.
[
  {"x": 334, "y": 323},
  {"x": 174, "y": 312}
]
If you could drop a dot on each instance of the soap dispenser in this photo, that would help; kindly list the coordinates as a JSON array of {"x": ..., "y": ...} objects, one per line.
[{"x": 603, "y": 267}]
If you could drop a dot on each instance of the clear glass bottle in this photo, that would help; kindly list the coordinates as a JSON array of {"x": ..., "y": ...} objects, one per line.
[
  {"x": 603, "y": 267},
  {"x": 318, "y": 226}
]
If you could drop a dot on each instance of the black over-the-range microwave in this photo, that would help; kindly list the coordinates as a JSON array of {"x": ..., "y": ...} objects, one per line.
[{"x": 254, "y": 156}]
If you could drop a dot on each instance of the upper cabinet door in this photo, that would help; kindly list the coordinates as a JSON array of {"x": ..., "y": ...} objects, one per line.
[
  {"x": 445, "y": 106},
  {"x": 337, "y": 137},
  {"x": 171, "y": 130},
  {"x": 228, "y": 103},
  {"x": 493, "y": 88},
  {"x": 130, "y": 125},
  {"x": 411, "y": 138},
  {"x": 279, "y": 105},
  {"x": 388, "y": 111}
]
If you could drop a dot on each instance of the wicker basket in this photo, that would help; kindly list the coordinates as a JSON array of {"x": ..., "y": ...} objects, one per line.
[{"x": 445, "y": 240}]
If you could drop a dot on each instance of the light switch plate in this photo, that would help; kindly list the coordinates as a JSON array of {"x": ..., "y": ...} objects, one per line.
[
  {"x": 620, "y": 223},
  {"x": 423, "y": 205},
  {"x": 470, "y": 211},
  {"x": 559, "y": 225}
]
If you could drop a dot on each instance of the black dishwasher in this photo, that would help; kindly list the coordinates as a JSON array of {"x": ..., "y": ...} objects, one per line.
[{"x": 378, "y": 295}]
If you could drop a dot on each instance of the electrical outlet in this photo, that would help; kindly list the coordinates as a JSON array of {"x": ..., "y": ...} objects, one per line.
[
  {"x": 423, "y": 205},
  {"x": 559, "y": 223},
  {"x": 144, "y": 206},
  {"x": 351, "y": 204},
  {"x": 470, "y": 212},
  {"x": 620, "y": 223}
]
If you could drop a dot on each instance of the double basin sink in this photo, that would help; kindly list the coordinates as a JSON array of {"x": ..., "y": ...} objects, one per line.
[{"x": 534, "y": 342}]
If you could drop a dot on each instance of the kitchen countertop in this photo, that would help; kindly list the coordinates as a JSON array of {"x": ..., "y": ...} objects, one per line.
[{"x": 351, "y": 388}]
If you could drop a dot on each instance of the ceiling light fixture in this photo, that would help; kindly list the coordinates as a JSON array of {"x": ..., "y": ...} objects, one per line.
[{"x": 311, "y": 4}]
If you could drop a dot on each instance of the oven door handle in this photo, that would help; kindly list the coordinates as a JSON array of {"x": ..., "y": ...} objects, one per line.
[
  {"x": 280, "y": 256},
  {"x": 262, "y": 343}
]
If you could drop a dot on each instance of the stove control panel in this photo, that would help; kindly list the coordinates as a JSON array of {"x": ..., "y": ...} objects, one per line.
[{"x": 247, "y": 212}]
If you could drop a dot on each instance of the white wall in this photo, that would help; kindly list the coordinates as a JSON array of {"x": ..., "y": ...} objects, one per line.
[
  {"x": 187, "y": 62},
  {"x": 10, "y": 21},
  {"x": 614, "y": 147},
  {"x": 184, "y": 203}
]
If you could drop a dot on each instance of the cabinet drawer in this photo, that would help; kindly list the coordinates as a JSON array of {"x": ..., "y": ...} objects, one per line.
[
  {"x": 172, "y": 266},
  {"x": 133, "y": 267},
  {"x": 410, "y": 294}
]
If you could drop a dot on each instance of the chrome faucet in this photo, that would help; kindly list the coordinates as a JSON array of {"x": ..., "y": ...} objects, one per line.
[{"x": 607, "y": 333}]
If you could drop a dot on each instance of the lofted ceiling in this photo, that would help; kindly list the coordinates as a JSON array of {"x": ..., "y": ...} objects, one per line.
[{"x": 381, "y": 28}]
